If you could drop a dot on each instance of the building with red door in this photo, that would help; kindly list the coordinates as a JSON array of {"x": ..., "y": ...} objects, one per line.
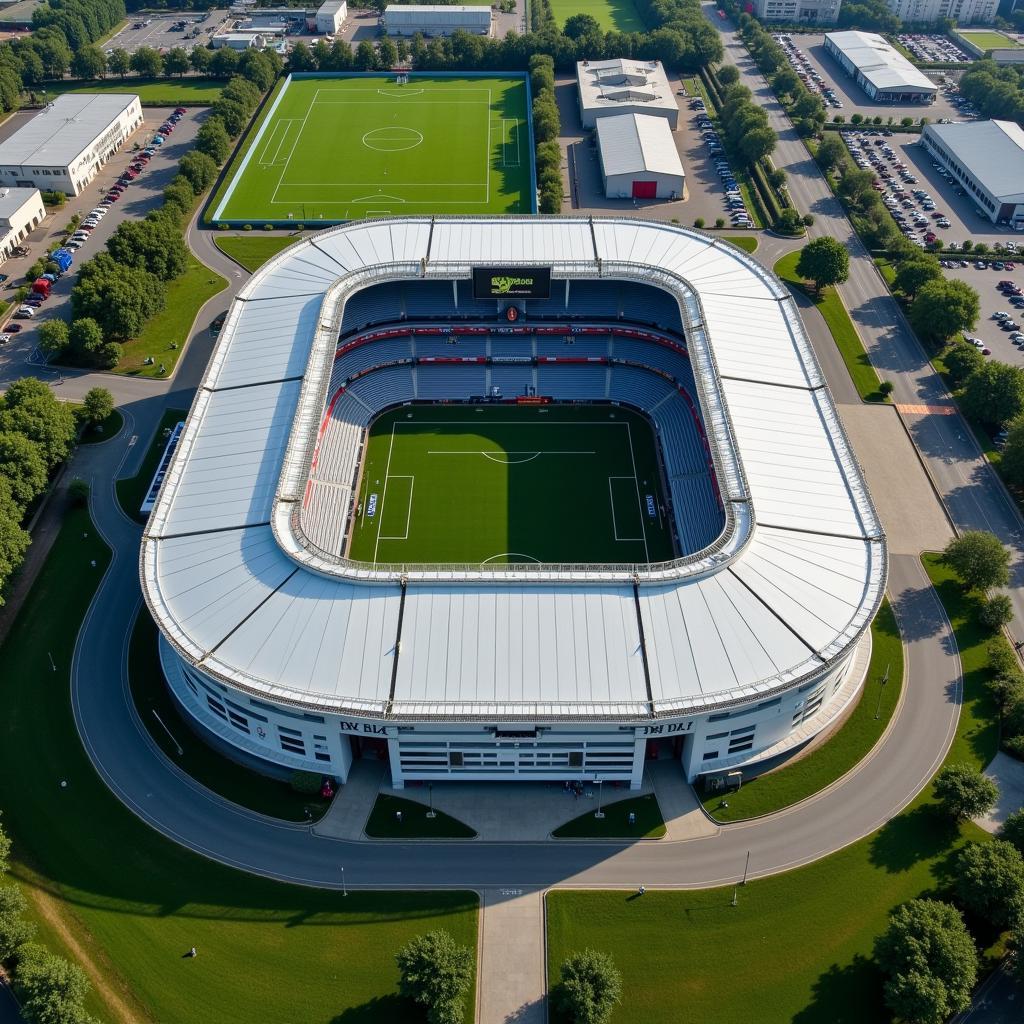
[{"x": 639, "y": 159}]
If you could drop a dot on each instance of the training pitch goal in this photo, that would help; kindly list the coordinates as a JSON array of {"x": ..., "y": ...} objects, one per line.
[
  {"x": 504, "y": 483},
  {"x": 333, "y": 148}
]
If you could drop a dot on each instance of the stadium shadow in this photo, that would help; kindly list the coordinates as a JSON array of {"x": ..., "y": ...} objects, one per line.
[{"x": 838, "y": 995}]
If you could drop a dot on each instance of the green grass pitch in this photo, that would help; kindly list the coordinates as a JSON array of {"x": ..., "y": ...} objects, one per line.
[
  {"x": 510, "y": 484},
  {"x": 617, "y": 15},
  {"x": 989, "y": 40},
  {"x": 337, "y": 149}
]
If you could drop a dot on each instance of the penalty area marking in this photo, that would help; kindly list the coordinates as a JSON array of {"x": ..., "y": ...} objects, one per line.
[
  {"x": 611, "y": 499},
  {"x": 517, "y": 555},
  {"x": 495, "y": 456},
  {"x": 408, "y": 507}
]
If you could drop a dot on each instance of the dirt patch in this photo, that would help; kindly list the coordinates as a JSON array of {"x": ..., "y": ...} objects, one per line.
[{"x": 118, "y": 1000}]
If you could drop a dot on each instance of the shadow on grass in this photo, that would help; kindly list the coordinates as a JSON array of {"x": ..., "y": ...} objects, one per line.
[
  {"x": 916, "y": 835},
  {"x": 839, "y": 995},
  {"x": 389, "y": 1009}
]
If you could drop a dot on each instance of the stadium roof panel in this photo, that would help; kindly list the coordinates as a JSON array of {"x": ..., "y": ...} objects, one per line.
[{"x": 795, "y": 587}]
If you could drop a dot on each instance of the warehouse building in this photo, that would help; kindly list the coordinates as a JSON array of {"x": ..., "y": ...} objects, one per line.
[
  {"x": 639, "y": 159},
  {"x": 881, "y": 71},
  {"x": 21, "y": 210},
  {"x": 805, "y": 12},
  {"x": 331, "y": 16},
  {"x": 63, "y": 147},
  {"x": 987, "y": 158},
  {"x": 624, "y": 87},
  {"x": 436, "y": 20}
]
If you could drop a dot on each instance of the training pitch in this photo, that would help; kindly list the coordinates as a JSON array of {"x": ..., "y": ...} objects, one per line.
[
  {"x": 332, "y": 149},
  {"x": 487, "y": 484}
]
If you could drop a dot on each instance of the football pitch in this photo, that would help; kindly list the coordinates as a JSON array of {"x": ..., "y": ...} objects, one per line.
[
  {"x": 497, "y": 484},
  {"x": 337, "y": 148}
]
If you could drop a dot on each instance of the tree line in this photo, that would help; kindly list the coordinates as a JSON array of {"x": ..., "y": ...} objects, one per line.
[{"x": 995, "y": 91}]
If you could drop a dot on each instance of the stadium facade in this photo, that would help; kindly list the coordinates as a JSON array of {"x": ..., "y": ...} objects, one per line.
[{"x": 743, "y": 647}]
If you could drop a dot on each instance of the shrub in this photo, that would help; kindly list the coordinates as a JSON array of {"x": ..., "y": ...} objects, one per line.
[
  {"x": 699, "y": 222},
  {"x": 78, "y": 492},
  {"x": 719, "y": 222},
  {"x": 885, "y": 388},
  {"x": 996, "y": 612}
]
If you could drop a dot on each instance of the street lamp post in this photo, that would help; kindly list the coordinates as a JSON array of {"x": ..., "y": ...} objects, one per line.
[
  {"x": 599, "y": 813},
  {"x": 344, "y": 888},
  {"x": 881, "y": 688},
  {"x": 430, "y": 790},
  {"x": 745, "y": 867}
]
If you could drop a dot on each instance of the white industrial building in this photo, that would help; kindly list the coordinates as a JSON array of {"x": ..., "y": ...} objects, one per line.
[
  {"x": 239, "y": 40},
  {"x": 624, "y": 87},
  {"x": 879, "y": 69},
  {"x": 289, "y": 655},
  {"x": 68, "y": 141},
  {"x": 437, "y": 20},
  {"x": 21, "y": 210},
  {"x": 807, "y": 12},
  {"x": 330, "y": 16},
  {"x": 987, "y": 158},
  {"x": 639, "y": 159},
  {"x": 961, "y": 12}
]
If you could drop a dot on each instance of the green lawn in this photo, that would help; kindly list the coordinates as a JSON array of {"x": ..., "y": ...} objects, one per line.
[
  {"x": 252, "y": 251},
  {"x": 798, "y": 944},
  {"x": 989, "y": 40},
  {"x": 102, "y": 431},
  {"x": 461, "y": 484},
  {"x": 165, "y": 334},
  {"x": 136, "y": 902},
  {"x": 383, "y": 822},
  {"x": 611, "y": 15},
  {"x": 831, "y": 307},
  {"x": 132, "y": 490},
  {"x": 848, "y": 746},
  {"x": 338, "y": 149},
  {"x": 745, "y": 242},
  {"x": 172, "y": 734},
  {"x": 649, "y": 823},
  {"x": 161, "y": 92}
]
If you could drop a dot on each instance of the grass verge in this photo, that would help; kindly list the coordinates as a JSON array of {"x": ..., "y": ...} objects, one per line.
[
  {"x": 240, "y": 785},
  {"x": 745, "y": 242},
  {"x": 611, "y": 15},
  {"x": 200, "y": 92},
  {"x": 132, "y": 489},
  {"x": 165, "y": 335},
  {"x": 252, "y": 251},
  {"x": 831, "y": 307},
  {"x": 133, "y": 903},
  {"x": 804, "y": 938},
  {"x": 842, "y": 751},
  {"x": 649, "y": 823},
  {"x": 104, "y": 431},
  {"x": 383, "y": 822}
]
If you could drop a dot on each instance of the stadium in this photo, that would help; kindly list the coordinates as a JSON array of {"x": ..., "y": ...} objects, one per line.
[{"x": 513, "y": 498}]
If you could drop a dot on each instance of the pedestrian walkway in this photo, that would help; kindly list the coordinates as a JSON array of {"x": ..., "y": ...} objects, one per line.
[
  {"x": 510, "y": 975},
  {"x": 679, "y": 805},
  {"x": 1008, "y": 774},
  {"x": 351, "y": 807}
]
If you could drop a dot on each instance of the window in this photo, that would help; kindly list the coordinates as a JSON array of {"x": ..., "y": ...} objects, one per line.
[
  {"x": 718, "y": 736},
  {"x": 710, "y": 755},
  {"x": 216, "y": 707}
]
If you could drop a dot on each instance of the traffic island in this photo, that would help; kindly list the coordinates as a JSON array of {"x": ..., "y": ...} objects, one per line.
[
  {"x": 393, "y": 817},
  {"x": 636, "y": 818}
]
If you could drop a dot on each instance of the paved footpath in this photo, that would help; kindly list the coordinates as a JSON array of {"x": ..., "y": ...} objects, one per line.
[{"x": 510, "y": 976}]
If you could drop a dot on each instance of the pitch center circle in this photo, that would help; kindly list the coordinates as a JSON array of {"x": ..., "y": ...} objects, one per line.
[{"x": 392, "y": 139}]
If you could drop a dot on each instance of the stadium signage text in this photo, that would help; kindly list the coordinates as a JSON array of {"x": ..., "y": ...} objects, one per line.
[
  {"x": 505, "y": 282},
  {"x": 377, "y": 730},
  {"x": 654, "y": 730}
]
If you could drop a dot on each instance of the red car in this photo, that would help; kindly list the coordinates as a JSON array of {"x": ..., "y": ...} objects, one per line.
[
  {"x": 181, "y": 110},
  {"x": 12, "y": 328},
  {"x": 112, "y": 197}
]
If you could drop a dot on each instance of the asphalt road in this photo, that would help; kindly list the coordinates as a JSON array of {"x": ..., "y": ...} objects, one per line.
[{"x": 969, "y": 487}]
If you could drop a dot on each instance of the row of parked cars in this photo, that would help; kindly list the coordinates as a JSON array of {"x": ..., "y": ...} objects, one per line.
[
  {"x": 806, "y": 71},
  {"x": 733, "y": 199},
  {"x": 932, "y": 49}
]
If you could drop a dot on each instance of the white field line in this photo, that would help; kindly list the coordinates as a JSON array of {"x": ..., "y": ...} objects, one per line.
[
  {"x": 408, "y": 510},
  {"x": 611, "y": 499},
  {"x": 639, "y": 504},
  {"x": 384, "y": 493}
]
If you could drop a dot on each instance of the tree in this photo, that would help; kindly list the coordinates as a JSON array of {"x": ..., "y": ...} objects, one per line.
[
  {"x": 300, "y": 59},
  {"x": 728, "y": 74},
  {"x": 832, "y": 153},
  {"x": 213, "y": 140},
  {"x": 147, "y": 62},
  {"x": 232, "y": 114},
  {"x": 223, "y": 62},
  {"x": 757, "y": 144},
  {"x": 789, "y": 222},
  {"x": 914, "y": 273},
  {"x": 78, "y": 492},
  {"x": 994, "y": 394},
  {"x": 365, "y": 57},
  {"x": 964, "y": 793},
  {"x": 979, "y": 559},
  {"x": 929, "y": 961},
  {"x": 176, "y": 62},
  {"x": 5, "y": 843},
  {"x": 257, "y": 67},
  {"x": 989, "y": 881},
  {"x": 23, "y": 467},
  {"x": 1012, "y": 830},
  {"x": 29, "y": 408},
  {"x": 52, "y": 990},
  {"x": 97, "y": 405},
  {"x": 14, "y": 542},
  {"x": 178, "y": 196},
  {"x": 823, "y": 261},
  {"x": 52, "y": 336},
  {"x": 436, "y": 973},
  {"x": 855, "y": 185},
  {"x": 201, "y": 58},
  {"x": 119, "y": 62},
  {"x": 589, "y": 989},
  {"x": 155, "y": 244},
  {"x": 89, "y": 62},
  {"x": 962, "y": 360},
  {"x": 14, "y": 929},
  {"x": 119, "y": 299},
  {"x": 199, "y": 170},
  {"x": 943, "y": 308},
  {"x": 996, "y": 612},
  {"x": 1012, "y": 464}
]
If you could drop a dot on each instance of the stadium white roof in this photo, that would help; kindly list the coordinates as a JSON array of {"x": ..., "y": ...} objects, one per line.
[
  {"x": 790, "y": 589},
  {"x": 991, "y": 151},
  {"x": 882, "y": 65},
  {"x": 637, "y": 143},
  {"x": 62, "y": 131}
]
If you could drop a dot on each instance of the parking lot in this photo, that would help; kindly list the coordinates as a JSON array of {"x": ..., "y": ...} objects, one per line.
[
  {"x": 933, "y": 49},
  {"x": 853, "y": 98},
  {"x": 140, "y": 197},
  {"x": 160, "y": 32},
  {"x": 985, "y": 282}
]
